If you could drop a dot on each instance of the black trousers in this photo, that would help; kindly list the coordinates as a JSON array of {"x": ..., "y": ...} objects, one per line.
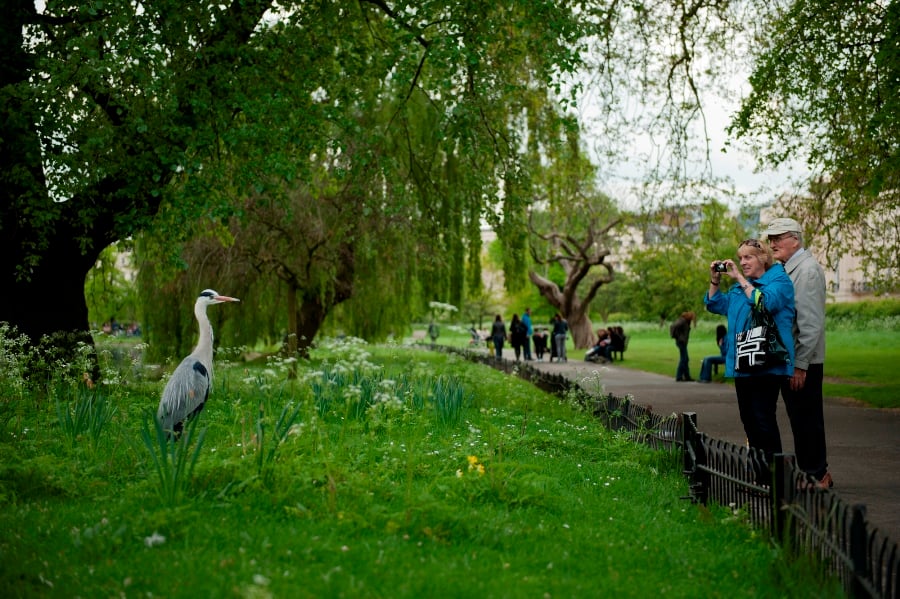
[
  {"x": 757, "y": 400},
  {"x": 805, "y": 411}
]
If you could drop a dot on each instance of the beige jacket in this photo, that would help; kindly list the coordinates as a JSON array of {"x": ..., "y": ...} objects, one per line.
[{"x": 809, "y": 299}]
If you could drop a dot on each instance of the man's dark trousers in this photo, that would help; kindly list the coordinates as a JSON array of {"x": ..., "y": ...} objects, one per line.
[{"x": 805, "y": 410}]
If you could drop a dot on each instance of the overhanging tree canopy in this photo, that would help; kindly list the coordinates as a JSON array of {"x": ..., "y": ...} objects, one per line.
[{"x": 112, "y": 112}]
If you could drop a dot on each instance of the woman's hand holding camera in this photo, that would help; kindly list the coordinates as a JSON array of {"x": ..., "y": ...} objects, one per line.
[
  {"x": 717, "y": 268},
  {"x": 731, "y": 269}
]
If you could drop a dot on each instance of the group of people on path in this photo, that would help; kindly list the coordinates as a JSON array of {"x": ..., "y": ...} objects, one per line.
[
  {"x": 522, "y": 332},
  {"x": 783, "y": 278}
]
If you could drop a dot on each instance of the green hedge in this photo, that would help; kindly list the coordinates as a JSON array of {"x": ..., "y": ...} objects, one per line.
[{"x": 865, "y": 310}]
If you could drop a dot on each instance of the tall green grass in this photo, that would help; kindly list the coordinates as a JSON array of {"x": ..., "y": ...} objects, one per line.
[
  {"x": 455, "y": 480},
  {"x": 172, "y": 460},
  {"x": 83, "y": 413}
]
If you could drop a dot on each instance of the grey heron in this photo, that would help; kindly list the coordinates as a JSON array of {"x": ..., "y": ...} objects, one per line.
[{"x": 188, "y": 388}]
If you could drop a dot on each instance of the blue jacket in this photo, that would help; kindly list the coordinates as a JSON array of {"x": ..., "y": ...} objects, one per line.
[
  {"x": 527, "y": 320},
  {"x": 777, "y": 292}
]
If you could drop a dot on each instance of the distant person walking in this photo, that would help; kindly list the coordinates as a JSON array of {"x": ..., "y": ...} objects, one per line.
[
  {"x": 526, "y": 318},
  {"x": 560, "y": 333},
  {"x": 518, "y": 335},
  {"x": 759, "y": 282},
  {"x": 498, "y": 336},
  {"x": 802, "y": 393},
  {"x": 680, "y": 331}
]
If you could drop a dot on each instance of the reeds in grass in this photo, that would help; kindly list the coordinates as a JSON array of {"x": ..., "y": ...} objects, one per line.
[
  {"x": 270, "y": 435},
  {"x": 84, "y": 414},
  {"x": 173, "y": 459}
]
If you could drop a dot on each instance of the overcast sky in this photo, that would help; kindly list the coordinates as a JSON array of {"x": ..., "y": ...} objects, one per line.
[
  {"x": 728, "y": 158},
  {"x": 732, "y": 161}
]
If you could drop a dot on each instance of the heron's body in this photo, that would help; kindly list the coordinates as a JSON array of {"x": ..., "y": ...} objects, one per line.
[{"x": 188, "y": 388}]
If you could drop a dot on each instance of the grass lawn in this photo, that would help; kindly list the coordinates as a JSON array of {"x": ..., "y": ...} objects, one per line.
[{"x": 376, "y": 472}]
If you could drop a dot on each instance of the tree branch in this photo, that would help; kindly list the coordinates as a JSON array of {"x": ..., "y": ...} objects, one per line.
[{"x": 396, "y": 17}]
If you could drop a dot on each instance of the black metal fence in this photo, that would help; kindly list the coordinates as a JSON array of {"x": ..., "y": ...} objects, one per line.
[{"x": 776, "y": 497}]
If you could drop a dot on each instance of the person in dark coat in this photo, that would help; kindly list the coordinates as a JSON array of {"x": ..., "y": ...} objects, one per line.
[
  {"x": 518, "y": 335},
  {"x": 680, "y": 331},
  {"x": 498, "y": 336}
]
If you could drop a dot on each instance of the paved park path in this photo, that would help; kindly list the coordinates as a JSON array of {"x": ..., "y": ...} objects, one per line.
[{"x": 863, "y": 443}]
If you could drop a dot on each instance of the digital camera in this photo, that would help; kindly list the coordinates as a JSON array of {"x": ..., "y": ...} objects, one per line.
[{"x": 720, "y": 267}]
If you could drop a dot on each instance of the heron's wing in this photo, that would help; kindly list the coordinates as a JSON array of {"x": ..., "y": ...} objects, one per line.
[{"x": 185, "y": 392}]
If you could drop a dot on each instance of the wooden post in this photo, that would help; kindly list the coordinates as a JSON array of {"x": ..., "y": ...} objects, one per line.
[
  {"x": 689, "y": 425},
  {"x": 782, "y": 494},
  {"x": 694, "y": 456},
  {"x": 859, "y": 551}
]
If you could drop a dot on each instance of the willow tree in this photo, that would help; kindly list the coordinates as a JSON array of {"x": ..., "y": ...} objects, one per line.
[{"x": 373, "y": 166}]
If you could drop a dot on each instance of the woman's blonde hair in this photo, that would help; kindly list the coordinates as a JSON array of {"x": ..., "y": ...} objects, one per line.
[{"x": 760, "y": 250}]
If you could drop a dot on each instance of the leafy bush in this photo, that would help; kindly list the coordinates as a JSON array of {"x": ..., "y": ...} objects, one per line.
[{"x": 881, "y": 314}]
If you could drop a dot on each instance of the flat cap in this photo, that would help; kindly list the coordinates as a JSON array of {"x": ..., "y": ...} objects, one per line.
[{"x": 779, "y": 226}]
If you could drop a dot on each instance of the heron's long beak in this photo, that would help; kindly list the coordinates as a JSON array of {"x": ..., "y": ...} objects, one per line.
[{"x": 225, "y": 298}]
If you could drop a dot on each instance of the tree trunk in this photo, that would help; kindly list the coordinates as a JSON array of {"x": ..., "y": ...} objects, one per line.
[
  {"x": 571, "y": 308},
  {"x": 310, "y": 316},
  {"x": 50, "y": 307},
  {"x": 291, "y": 344},
  {"x": 305, "y": 317},
  {"x": 52, "y": 300},
  {"x": 582, "y": 329},
  {"x": 308, "y": 308}
]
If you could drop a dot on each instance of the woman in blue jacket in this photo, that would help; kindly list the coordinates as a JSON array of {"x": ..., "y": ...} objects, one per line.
[{"x": 757, "y": 281}]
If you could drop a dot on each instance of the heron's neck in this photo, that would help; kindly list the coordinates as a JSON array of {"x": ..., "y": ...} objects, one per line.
[{"x": 204, "y": 349}]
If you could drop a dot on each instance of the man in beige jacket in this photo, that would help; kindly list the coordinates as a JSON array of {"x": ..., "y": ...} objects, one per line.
[{"x": 802, "y": 393}]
